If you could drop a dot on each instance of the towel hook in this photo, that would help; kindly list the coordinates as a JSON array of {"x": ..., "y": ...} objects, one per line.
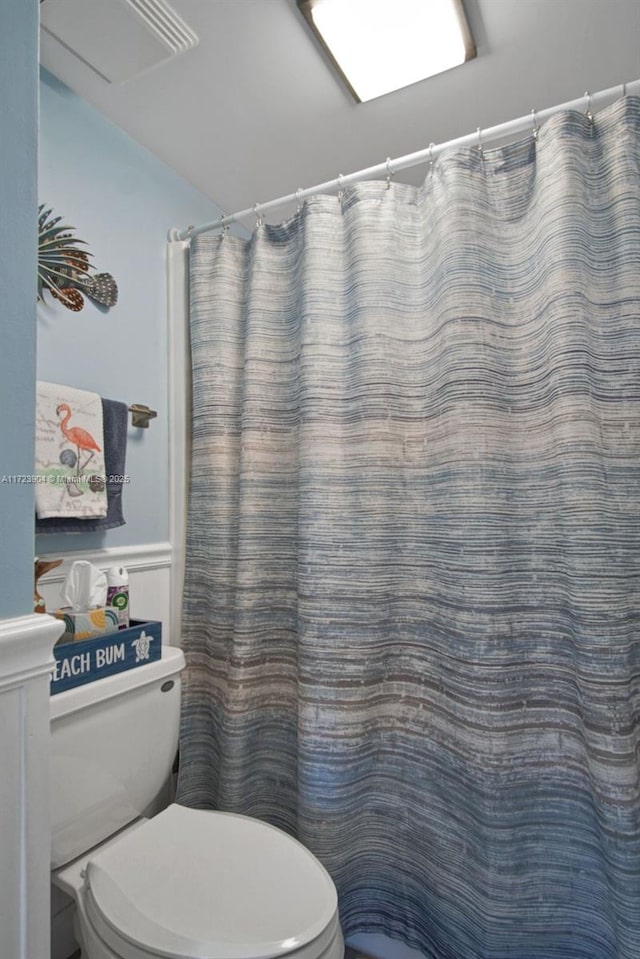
[{"x": 140, "y": 415}]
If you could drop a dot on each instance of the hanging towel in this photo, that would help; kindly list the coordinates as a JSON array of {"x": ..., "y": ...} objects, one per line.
[
  {"x": 115, "y": 423},
  {"x": 70, "y": 466}
]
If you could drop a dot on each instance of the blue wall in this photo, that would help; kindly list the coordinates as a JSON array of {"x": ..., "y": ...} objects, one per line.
[
  {"x": 18, "y": 167},
  {"x": 122, "y": 200}
]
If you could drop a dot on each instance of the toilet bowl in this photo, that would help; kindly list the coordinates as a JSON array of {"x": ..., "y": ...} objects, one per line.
[{"x": 186, "y": 883}]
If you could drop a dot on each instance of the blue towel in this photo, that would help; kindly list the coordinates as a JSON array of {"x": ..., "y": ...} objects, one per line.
[{"x": 114, "y": 420}]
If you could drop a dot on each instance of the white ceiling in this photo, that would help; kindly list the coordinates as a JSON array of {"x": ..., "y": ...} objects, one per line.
[{"x": 256, "y": 111}]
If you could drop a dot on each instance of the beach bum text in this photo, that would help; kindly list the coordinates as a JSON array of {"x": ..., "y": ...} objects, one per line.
[
  {"x": 79, "y": 663},
  {"x": 92, "y": 660}
]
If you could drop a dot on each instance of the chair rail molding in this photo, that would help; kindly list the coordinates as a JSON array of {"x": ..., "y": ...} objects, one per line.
[
  {"x": 141, "y": 558},
  {"x": 26, "y": 660}
]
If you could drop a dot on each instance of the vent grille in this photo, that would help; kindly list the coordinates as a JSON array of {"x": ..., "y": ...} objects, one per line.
[{"x": 117, "y": 39}]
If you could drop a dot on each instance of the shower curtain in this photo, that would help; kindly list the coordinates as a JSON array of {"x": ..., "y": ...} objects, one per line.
[{"x": 412, "y": 609}]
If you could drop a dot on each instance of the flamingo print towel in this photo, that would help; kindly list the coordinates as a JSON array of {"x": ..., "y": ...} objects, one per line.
[{"x": 70, "y": 472}]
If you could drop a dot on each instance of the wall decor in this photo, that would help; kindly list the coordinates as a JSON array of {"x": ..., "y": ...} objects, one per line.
[
  {"x": 64, "y": 268},
  {"x": 40, "y": 568}
]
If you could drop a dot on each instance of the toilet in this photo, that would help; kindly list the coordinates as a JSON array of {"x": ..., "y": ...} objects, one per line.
[{"x": 182, "y": 884}]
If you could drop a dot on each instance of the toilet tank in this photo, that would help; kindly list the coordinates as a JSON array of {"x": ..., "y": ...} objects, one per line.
[{"x": 113, "y": 742}]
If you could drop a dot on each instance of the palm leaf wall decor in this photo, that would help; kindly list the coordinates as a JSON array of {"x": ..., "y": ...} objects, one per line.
[{"x": 63, "y": 268}]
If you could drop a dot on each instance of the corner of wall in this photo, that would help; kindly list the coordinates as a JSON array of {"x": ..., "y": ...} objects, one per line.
[{"x": 18, "y": 202}]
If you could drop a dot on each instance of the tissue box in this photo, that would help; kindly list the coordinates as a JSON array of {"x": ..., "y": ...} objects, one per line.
[
  {"x": 86, "y": 625},
  {"x": 82, "y": 662}
]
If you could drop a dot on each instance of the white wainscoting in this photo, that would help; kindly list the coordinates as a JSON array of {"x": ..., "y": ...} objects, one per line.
[
  {"x": 150, "y": 581},
  {"x": 26, "y": 658}
]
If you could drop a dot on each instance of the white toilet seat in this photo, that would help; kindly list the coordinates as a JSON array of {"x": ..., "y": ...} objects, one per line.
[{"x": 225, "y": 887}]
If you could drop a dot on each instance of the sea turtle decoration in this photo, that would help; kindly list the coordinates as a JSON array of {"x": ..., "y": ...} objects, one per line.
[{"x": 63, "y": 268}]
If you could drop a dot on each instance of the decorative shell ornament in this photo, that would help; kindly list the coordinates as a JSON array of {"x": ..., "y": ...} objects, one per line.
[{"x": 63, "y": 268}]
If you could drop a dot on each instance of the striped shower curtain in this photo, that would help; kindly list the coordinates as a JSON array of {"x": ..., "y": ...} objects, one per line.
[{"x": 412, "y": 611}]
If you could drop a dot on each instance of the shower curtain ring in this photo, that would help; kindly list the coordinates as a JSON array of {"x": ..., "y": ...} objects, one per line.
[
  {"x": 589, "y": 114},
  {"x": 340, "y": 188},
  {"x": 390, "y": 173},
  {"x": 480, "y": 148},
  {"x": 536, "y": 128},
  {"x": 258, "y": 216},
  {"x": 431, "y": 146},
  {"x": 298, "y": 192}
]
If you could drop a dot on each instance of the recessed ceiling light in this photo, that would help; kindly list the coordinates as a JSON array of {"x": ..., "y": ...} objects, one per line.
[{"x": 382, "y": 45}]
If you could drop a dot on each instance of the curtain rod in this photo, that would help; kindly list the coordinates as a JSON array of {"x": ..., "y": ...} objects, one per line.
[{"x": 389, "y": 167}]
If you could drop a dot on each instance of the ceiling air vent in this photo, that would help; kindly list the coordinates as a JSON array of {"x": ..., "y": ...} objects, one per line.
[{"x": 117, "y": 39}]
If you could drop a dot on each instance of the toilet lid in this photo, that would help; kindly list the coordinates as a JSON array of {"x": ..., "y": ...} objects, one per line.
[{"x": 191, "y": 882}]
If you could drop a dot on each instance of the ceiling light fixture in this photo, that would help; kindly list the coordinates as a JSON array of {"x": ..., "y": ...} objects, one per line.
[{"x": 382, "y": 45}]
